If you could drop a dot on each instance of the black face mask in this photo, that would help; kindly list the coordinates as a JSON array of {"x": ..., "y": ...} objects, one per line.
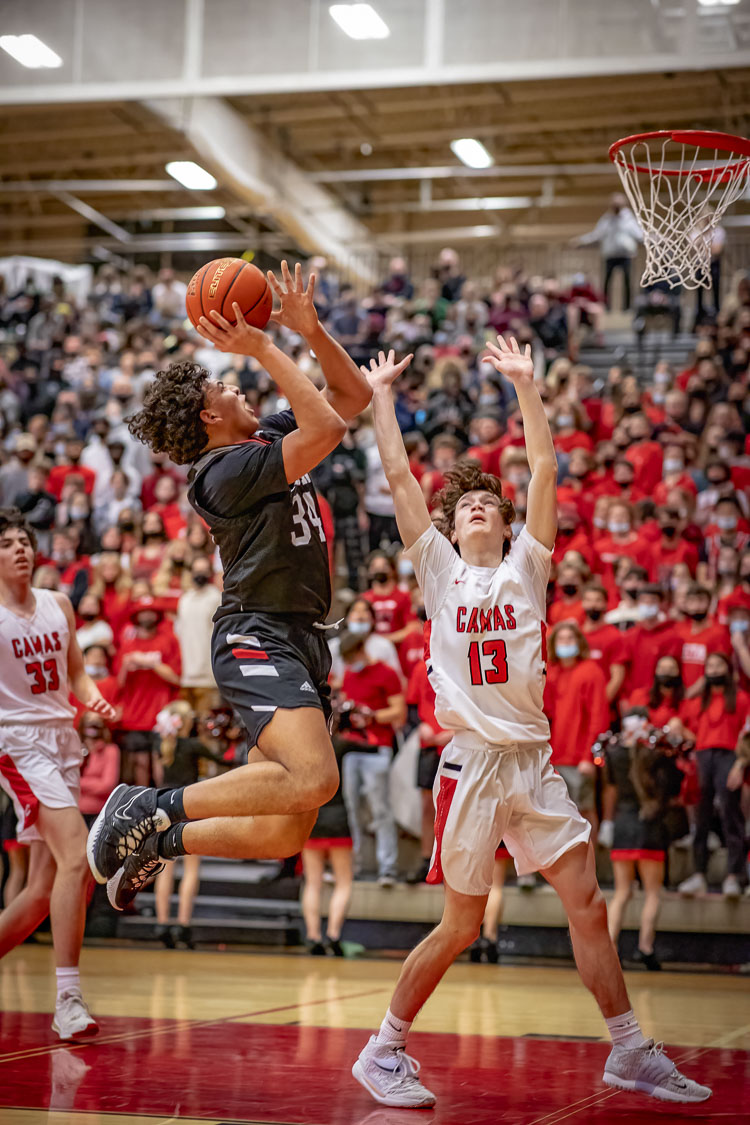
[
  {"x": 569, "y": 590},
  {"x": 151, "y": 535},
  {"x": 668, "y": 681},
  {"x": 178, "y": 563},
  {"x": 88, "y": 616},
  {"x": 566, "y": 531},
  {"x": 719, "y": 680},
  {"x": 669, "y": 530},
  {"x": 631, "y": 591},
  {"x": 698, "y": 615},
  {"x": 380, "y": 577},
  {"x": 632, "y": 408},
  {"x": 126, "y": 525},
  {"x": 595, "y": 614},
  {"x": 201, "y": 579}
]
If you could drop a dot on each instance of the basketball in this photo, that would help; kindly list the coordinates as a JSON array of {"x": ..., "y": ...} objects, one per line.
[{"x": 220, "y": 283}]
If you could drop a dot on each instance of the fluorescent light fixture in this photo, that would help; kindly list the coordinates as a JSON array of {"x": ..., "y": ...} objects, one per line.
[
  {"x": 191, "y": 175},
  {"x": 30, "y": 51},
  {"x": 359, "y": 21},
  {"x": 471, "y": 152},
  {"x": 716, "y": 3}
]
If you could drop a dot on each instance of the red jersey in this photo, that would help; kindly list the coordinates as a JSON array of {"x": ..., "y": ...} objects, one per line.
[
  {"x": 372, "y": 687},
  {"x": 392, "y": 611},
  {"x": 645, "y": 648},
  {"x": 715, "y": 726},
  {"x": 696, "y": 645},
  {"x": 145, "y": 693},
  {"x": 575, "y": 701}
]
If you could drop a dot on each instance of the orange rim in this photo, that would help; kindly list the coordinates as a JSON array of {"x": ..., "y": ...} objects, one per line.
[{"x": 720, "y": 142}]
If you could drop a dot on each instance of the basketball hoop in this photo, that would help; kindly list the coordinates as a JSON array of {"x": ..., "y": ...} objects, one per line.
[{"x": 680, "y": 183}]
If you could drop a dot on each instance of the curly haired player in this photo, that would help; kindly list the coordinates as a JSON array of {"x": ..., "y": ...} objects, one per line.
[
  {"x": 486, "y": 603},
  {"x": 250, "y": 482}
]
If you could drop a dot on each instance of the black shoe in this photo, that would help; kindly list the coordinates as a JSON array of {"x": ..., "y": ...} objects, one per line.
[
  {"x": 420, "y": 874},
  {"x": 335, "y": 947},
  {"x": 138, "y": 870},
  {"x": 647, "y": 959},
  {"x": 492, "y": 954},
  {"x": 163, "y": 934},
  {"x": 183, "y": 937},
  {"x": 129, "y": 816},
  {"x": 316, "y": 949},
  {"x": 478, "y": 952}
]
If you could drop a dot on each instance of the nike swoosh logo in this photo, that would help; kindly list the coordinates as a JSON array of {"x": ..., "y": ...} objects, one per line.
[{"x": 123, "y": 813}]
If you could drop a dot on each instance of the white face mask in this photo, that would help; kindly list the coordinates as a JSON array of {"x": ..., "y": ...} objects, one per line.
[
  {"x": 567, "y": 652},
  {"x": 634, "y": 724},
  {"x": 405, "y": 568},
  {"x": 357, "y": 666},
  {"x": 600, "y": 522},
  {"x": 359, "y": 628},
  {"x": 618, "y": 527},
  {"x": 673, "y": 465},
  {"x": 726, "y": 523},
  {"x": 648, "y": 612},
  {"x": 94, "y": 671}
]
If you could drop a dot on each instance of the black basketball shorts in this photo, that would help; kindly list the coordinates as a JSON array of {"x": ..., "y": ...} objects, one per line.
[{"x": 264, "y": 663}]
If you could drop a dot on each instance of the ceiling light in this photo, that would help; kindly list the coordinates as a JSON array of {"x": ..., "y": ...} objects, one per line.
[
  {"x": 359, "y": 21},
  {"x": 716, "y": 3},
  {"x": 30, "y": 51},
  {"x": 471, "y": 152},
  {"x": 191, "y": 175}
]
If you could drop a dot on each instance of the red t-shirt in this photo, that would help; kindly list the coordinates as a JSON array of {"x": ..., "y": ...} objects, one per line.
[
  {"x": 607, "y": 646},
  {"x": 660, "y": 715},
  {"x": 372, "y": 687},
  {"x": 575, "y": 701},
  {"x": 109, "y": 689},
  {"x": 577, "y": 440},
  {"x": 645, "y": 647},
  {"x": 695, "y": 647},
  {"x": 647, "y": 458},
  {"x": 560, "y": 610},
  {"x": 608, "y": 551},
  {"x": 172, "y": 517},
  {"x": 684, "y": 482},
  {"x": 59, "y": 473},
  {"x": 665, "y": 557},
  {"x": 578, "y": 541},
  {"x": 489, "y": 456},
  {"x": 715, "y": 726},
  {"x": 145, "y": 693},
  {"x": 420, "y": 694},
  {"x": 392, "y": 611}
]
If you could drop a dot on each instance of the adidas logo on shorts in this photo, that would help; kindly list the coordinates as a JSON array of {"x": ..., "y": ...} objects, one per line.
[{"x": 307, "y": 686}]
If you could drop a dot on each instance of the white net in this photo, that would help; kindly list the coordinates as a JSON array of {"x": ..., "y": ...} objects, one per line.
[{"x": 679, "y": 193}]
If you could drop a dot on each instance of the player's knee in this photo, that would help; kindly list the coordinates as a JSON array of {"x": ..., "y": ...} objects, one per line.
[
  {"x": 320, "y": 789},
  {"x": 588, "y": 911},
  {"x": 460, "y": 935},
  {"x": 297, "y": 836},
  {"x": 75, "y": 866}
]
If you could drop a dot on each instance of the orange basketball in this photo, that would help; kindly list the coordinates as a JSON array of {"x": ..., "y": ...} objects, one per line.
[{"x": 222, "y": 282}]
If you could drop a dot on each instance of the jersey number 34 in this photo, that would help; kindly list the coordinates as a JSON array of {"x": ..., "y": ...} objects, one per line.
[
  {"x": 302, "y": 519},
  {"x": 488, "y": 663}
]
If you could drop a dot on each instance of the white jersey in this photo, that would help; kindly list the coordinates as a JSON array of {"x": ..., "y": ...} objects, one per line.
[
  {"x": 487, "y": 652},
  {"x": 34, "y": 664}
]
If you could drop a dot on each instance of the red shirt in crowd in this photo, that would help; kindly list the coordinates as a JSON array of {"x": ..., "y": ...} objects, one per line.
[
  {"x": 148, "y": 488},
  {"x": 99, "y": 775},
  {"x": 647, "y": 458},
  {"x": 715, "y": 726},
  {"x": 607, "y": 646},
  {"x": 374, "y": 686},
  {"x": 59, "y": 473},
  {"x": 420, "y": 694},
  {"x": 684, "y": 482},
  {"x": 577, "y": 440},
  {"x": 145, "y": 692},
  {"x": 575, "y": 701},
  {"x": 645, "y": 647},
  {"x": 665, "y": 557},
  {"x": 392, "y": 611},
  {"x": 696, "y": 645},
  {"x": 659, "y": 716},
  {"x": 563, "y": 610}
]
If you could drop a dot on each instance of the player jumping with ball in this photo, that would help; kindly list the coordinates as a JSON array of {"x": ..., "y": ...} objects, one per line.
[
  {"x": 486, "y": 603},
  {"x": 250, "y": 483}
]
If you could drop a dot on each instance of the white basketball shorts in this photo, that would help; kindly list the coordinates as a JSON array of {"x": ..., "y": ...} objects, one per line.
[
  {"x": 39, "y": 765},
  {"x": 485, "y": 794}
]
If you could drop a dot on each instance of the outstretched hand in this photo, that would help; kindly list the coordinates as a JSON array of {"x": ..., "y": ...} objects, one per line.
[
  {"x": 384, "y": 371},
  {"x": 507, "y": 358},
  {"x": 240, "y": 338},
  {"x": 297, "y": 311}
]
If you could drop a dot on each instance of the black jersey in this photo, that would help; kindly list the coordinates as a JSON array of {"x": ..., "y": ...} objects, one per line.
[{"x": 269, "y": 533}]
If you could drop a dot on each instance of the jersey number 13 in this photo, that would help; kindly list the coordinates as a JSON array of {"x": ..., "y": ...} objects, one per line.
[{"x": 488, "y": 663}]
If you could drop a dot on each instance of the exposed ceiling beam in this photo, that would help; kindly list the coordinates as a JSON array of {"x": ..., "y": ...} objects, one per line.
[
  {"x": 81, "y": 187},
  {"x": 93, "y": 216},
  {"x": 458, "y": 171}
]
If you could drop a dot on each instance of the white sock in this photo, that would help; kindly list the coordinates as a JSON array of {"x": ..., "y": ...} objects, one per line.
[
  {"x": 625, "y": 1031},
  {"x": 393, "y": 1031},
  {"x": 67, "y": 979}
]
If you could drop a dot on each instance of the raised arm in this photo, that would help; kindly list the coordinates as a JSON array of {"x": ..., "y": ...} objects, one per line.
[
  {"x": 412, "y": 516},
  {"x": 541, "y": 503},
  {"x": 347, "y": 389}
]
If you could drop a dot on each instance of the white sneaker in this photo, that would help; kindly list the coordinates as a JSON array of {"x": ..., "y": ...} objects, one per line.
[
  {"x": 390, "y": 1076},
  {"x": 694, "y": 885},
  {"x": 650, "y": 1071},
  {"x": 731, "y": 888},
  {"x": 387, "y": 881},
  {"x": 72, "y": 1019}
]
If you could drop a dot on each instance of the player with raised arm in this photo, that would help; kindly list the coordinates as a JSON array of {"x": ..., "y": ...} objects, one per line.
[
  {"x": 486, "y": 604},
  {"x": 40, "y": 764},
  {"x": 250, "y": 482}
]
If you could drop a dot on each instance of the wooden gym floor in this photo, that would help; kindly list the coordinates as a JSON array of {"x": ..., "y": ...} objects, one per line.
[{"x": 241, "y": 1037}]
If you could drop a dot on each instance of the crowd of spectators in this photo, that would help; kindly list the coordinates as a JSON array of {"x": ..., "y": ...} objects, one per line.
[{"x": 650, "y": 588}]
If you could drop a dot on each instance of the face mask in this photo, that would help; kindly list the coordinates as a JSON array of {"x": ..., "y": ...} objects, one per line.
[
  {"x": 357, "y": 666},
  {"x": 669, "y": 530},
  {"x": 405, "y": 568},
  {"x": 662, "y": 377},
  {"x": 178, "y": 564},
  {"x": 717, "y": 680},
  {"x": 151, "y": 535},
  {"x": 630, "y": 591},
  {"x": 88, "y": 616},
  {"x": 726, "y": 523},
  {"x": 359, "y": 628},
  {"x": 658, "y": 397},
  {"x": 565, "y": 420},
  {"x": 94, "y": 671},
  {"x": 93, "y": 732},
  {"x": 380, "y": 577},
  {"x": 668, "y": 681},
  {"x": 126, "y": 525},
  {"x": 726, "y": 453},
  {"x": 717, "y": 483},
  {"x": 672, "y": 465},
  {"x": 739, "y": 626},
  {"x": 79, "y": 513},
  {"x": 618, "y": 527},
  {"x": 201, "y": 579},
  {"x": 648, "y": 612},
  {"x": 698, "y": 615},
  {"x": 595, "y": 614},
  {"x": 567, "y": 652},
  {"x": 517, "y": 527},
  {"x": 600, "y": 522},
  {"x": 569, "y": 590},
  {"x": 633, "y": 724}
]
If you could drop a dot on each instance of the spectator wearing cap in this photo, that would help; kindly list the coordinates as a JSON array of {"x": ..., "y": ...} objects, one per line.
[
  {"x": 70, "y": 464},
  {"x": 14, "y": 475},
  {"x": 148, "y": 666},
  {"x": 193, "y": 628},
  {"x": 575, "y": 701},
  {"x": 699, "y": 635},
  {"x": 715, "y": 719},
  {"x": 374, "y": 696},
  {"x": 607, "y": 645},
  {"x": 653, "y": 637}
]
